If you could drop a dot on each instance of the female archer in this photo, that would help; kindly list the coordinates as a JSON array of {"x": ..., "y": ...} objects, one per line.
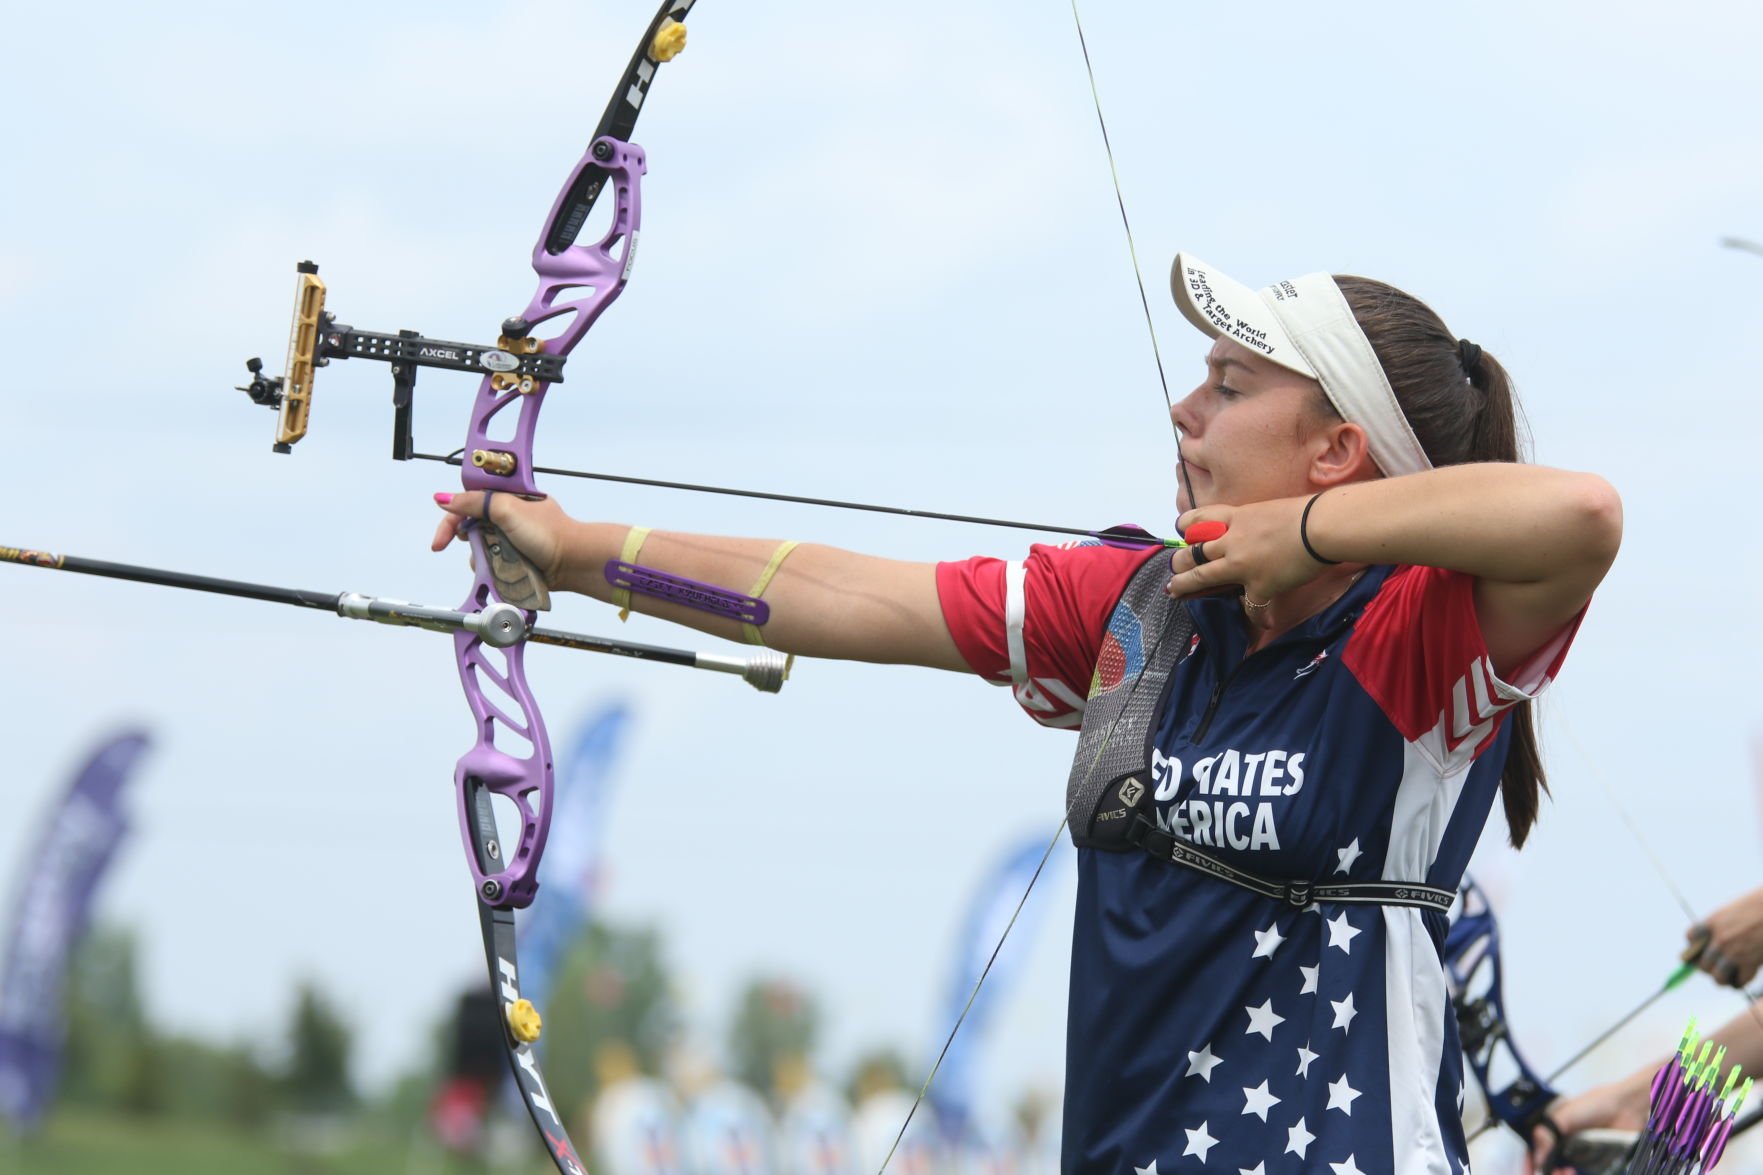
[{"x": 1290, "y": 733}]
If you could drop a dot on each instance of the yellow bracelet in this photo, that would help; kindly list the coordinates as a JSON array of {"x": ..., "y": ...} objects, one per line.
[
  {"x": 751, "y": 632},
  {"x": 633, "y": 542}
]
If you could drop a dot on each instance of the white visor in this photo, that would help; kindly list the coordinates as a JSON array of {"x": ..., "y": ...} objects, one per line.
[{"x": 1306, "y": 326}]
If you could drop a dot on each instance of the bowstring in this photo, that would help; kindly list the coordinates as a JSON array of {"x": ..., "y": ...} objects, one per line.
[
  {"x": 1132, "y": 249},
  {"x": 1125, "y": 222},
  {"x": 1108, "y": 737},
  {"x": 1064, "y": 821}
]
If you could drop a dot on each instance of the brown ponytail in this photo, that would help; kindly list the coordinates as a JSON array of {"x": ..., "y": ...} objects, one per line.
[{"x": 1460, "y": 403}]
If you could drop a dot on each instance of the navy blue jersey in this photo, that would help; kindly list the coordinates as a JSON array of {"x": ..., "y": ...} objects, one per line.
[{"x": 1211, "y": 1028}]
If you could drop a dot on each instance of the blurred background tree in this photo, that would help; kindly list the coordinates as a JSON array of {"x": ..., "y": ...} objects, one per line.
[
  {"x": 614, "y": 985},
  {"x": 316, "y": 1079},
  {"x": 774, "y": 1019},
  {"x": 107, "y": 1030}
]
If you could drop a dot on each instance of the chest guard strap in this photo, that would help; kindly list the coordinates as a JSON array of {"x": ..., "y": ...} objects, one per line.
[
  {"x": 1297, "y": 894},
  {"x": 1148, "y": 634}
]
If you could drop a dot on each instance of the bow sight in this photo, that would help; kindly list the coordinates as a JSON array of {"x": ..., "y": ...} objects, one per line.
[{"x": 514, "y": 364}]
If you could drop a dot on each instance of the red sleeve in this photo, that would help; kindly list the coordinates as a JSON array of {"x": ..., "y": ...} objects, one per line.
[
  {"x": 1418, "y": 651},
  {"x": 1037, "y": 625}
]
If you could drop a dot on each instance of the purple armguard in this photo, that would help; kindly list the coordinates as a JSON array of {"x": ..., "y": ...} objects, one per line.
[{"x": 719, "y": 601}]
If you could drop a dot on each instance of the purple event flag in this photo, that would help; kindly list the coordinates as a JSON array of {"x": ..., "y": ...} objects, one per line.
[{"x": 52, "y": 908}]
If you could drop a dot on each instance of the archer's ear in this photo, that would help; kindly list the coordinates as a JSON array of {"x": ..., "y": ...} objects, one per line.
[{"x": 1341, "y": 454}]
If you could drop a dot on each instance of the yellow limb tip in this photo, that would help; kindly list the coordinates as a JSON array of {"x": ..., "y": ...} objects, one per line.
[
  {"x": 524, "y": 1021},
  {"x": 670, "y": 38}
]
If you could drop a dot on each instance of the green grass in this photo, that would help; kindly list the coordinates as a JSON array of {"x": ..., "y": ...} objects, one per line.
[{"x": 77, "y": 1143}]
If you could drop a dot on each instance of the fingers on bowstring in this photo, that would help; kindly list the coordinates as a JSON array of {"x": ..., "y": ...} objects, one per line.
[
  {"x": 1193, "y": 557},
  {"x": 1187, "y": 574},
  {"x": 1703, "y": 955},
  {"x": 1202, "y": 550}
]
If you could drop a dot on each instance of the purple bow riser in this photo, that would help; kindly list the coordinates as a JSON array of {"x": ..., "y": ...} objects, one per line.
[{"x": 581, "y": 280}]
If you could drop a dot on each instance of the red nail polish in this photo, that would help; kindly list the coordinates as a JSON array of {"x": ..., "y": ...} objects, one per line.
[{"x": 444, "y": 499}]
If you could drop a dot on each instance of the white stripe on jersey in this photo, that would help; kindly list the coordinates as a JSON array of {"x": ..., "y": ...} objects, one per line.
[{"x": 1015, "y": 609}]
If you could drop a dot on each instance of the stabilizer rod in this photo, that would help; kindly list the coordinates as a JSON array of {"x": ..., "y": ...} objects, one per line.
[{"x": 499, "y": 624}]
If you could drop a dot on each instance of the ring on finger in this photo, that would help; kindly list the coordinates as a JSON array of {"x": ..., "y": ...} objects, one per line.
[
  {"x": 488, "y": 494},
  {"x": 1198, "y": 551},
  {"x": 1249, "y": 603}
]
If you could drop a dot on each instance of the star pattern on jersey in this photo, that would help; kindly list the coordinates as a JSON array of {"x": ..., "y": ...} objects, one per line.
[
  {"x": 1258, "y": 1101},
  {"x": 1341, "y": 1096},
  {"x": 1291, "y": 965},
  {"x": 1341, "y": 933},
  {"x": 1267, "y": 941},
  {"x": 1199, "y": 1142},
  {"x": 1298, "y": 1140},
  {"x": 1263, "y": 1020},
  {"x": 1323, "y": 1000}
]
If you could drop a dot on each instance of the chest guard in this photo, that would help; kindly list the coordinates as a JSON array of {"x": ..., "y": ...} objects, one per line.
[{"x": 1111, "y": 782}]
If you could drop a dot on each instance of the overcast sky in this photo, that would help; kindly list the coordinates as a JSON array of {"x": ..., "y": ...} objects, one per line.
[{"x": 880, "y": 259}]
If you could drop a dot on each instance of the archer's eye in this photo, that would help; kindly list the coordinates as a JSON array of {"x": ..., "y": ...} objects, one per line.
[{"x": 1225, "y": 391}]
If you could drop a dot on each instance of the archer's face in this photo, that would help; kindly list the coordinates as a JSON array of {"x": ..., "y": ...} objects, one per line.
[{"x": 1249, "y": 430}]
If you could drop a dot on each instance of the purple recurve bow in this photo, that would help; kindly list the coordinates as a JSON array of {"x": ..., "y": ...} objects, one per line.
[
  {"x": 576, "y": 283},
  {"x": 511, "y": 756}
]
